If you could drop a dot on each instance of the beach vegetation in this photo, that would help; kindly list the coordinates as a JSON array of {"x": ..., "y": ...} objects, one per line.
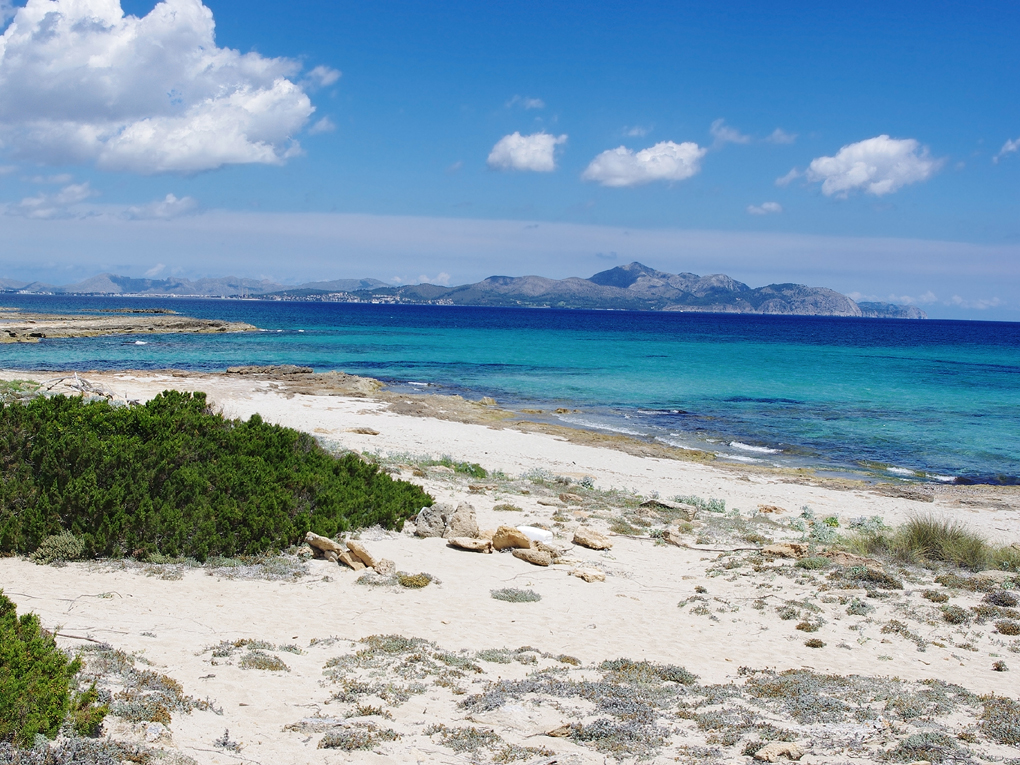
[
  {"x": 414, "y": 581},
  {"x": 172, "y": 477},
  {"x": 1007, "y": 627},
  {"x": 1000, "y": 719},
  {"x": 506, "y": 507},
  {"x": 813, "y": 563},
  {"x": 358, "y": 736},
  {"x": 929, "y": 746},
  {"x": 1001, "y": 598},
  {"x": 814, "y": 643},
  {"x": 514, "y": 595},
  {"x": 935, "y": 596},
  {"x": 711, "y": 505},
  {"x": 955, "y": 614},
  {"x": 38, "y": 683},
  {"x": 61, "y": 547}
]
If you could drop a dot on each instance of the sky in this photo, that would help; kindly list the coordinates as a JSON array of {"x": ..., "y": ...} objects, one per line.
[{"x": 873, "y": 147}]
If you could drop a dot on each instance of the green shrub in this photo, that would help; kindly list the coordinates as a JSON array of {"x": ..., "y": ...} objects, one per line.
[
  {"x": 935, "y": 596},
  {"x": 172, "y": 478},
  {"x": 414, "y": 581},
  {"x": 813, "y": 563},
  {"x": 1007, "y": 627},
  {"x": 59, "y": 547},
  {"x": 36, "y": 679},
  {"x": 955, "y": 614},
  {"x": 814, "y": 643},
  {"x": 1000, "y": 719},
  {"x": 858, "y": 607}
]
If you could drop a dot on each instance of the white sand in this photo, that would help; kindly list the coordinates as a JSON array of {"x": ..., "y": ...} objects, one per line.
[{"x": 633, "y": 614}]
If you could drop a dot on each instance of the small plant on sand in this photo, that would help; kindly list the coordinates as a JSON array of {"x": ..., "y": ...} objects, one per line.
[
  {"x": 813, "y": 563},
  {"x": 414, "y": 581},
  {"x": 930, "y": 746},
  {"x": 359, "y": 736},
  {"x": 513, "y": 595},
  {"x": 60, "y": 547},
  {"x": 506, "y": 507},
  {"x": 1007, "y": 627},
  {"x": 814, "y": 643},
  {"x": 1001, "y": 598},
  {"x": 1000, "y": 719},
  {"x": 955, "y": 614},
  {"x": 935, "y": 596},
  {"x": 858, "y": 607},
  {"x": 1000, "y": 666},
  {"x": 262, "y": 660}
]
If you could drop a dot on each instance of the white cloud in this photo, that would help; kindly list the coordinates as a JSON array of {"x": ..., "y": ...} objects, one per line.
[
  {"x": 879, "y": 166},
  {"x": 325, "y": 125},
  {"x": 8, "y": 169},
  {"x": 535, "y": 152},
  {"x": 442, "y": 278},
  {"x": 7, "y": 11},
  {"x": 1010, "y": 147},
  {"x": 981, "y": 304},
  {"x": 781, "y": 136},
  {"x": 789, "y": 178},
  {"x": 766, "y": 208},
  {"x": 637, "y": 131},
  {"x": 54, "y": 205},
  {"x": 526, "y": 103},
  {"x": 323, "y": 76},
  {"x": 155, "y": 271},
  {"x": 665, "y": 161},
  {"x": 164, "y": 209},
  {"x": 725, "y": 134},
  {"x": 82, "y": 82},
  {"x": 54, "y": 179}
]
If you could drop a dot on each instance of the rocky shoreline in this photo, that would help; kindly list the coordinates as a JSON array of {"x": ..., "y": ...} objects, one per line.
[{"x": 21, "y": 327}]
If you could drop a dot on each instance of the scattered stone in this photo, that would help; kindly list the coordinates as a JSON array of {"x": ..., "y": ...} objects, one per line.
[
  {"x": 509, "y": 537},
  {"x": 306, "y": 551},
  {"x": 772, "y": 751},
  {"x": 671, "y": 536},
  {"x": 442, "y": 469},
  {"x": 362, "y": 431},
  {"x": 561, "y": 732},
  {"x": 849, "y": 559},
  {"x": 462, "y": 523},
  {"x": 593, "y": 540},
  {"x": 570, "y": 498},
  {"x": 477, "y": 488},
  {"x": 554, "y": 552},
  {"x": 771, "y": 509},
  {"x": 330, "y": 556},
  {"x": 350, "y": 561},
  {"x": 385, "y": 566},
  {"x": 431, "y": 521},
  {"x": 323, "y": 544},
  {"x": 471, "y": 543},
  {"x": 487, "y": 534},
  {"x": 536, "y": 557},
  {"x": 487, "y": 401},
  {"x": 796, "y": 550},
  {"x": 361, "y": 552},
  {"x": 588, "y": 574},
  {"x": 685, "y": 512},
  {"x": 548, "y": 503}
]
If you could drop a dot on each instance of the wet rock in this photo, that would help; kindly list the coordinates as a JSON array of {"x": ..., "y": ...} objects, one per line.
[
  {"x": 462, "y": 523},
  {"x": 509, "y": 537},
  {"x": 593, "y": 540},
  {"x": 535, "y": 557}
]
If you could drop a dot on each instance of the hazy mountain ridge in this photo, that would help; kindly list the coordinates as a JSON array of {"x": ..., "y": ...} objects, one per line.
[{"x": 631, "y": 287}]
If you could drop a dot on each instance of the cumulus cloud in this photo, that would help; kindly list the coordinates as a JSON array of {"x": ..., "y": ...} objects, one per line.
[
  {"x": 7, "y": 11},
  {"x": 637, "y": 131},
  {"x": 781, "y": 136},
  {"x": 526, "y": 103},
  {"x": 765, "y": 208},
  {"x": 56, "y": 205},
  {"x": 323, "y": 76},
  {"x": 163, "y": 209},
  {"x": 1010, "y": 147},
  {"x": 80, "y": 81},
  {"x": 665, "y": 161},
  {"x": 725, "y": 134},
  {"x": 325, "y": 125},
  {"x": 789, "y": 178},
  {"x": 878, "y": 166},
  {"x": 535, "y": 152},
  {"x": 980, "y": 304}
]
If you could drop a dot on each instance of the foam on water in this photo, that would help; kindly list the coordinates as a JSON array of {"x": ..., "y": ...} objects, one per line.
[{"x": 750, "y": 448}]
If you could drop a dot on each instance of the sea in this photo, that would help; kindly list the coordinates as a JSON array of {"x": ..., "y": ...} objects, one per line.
[{"x": 918, "y": 401}]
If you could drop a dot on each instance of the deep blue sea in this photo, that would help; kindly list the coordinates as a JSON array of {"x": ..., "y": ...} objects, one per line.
[{"x": 919, "y": 400}]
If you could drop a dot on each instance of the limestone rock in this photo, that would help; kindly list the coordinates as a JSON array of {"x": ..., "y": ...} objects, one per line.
[
  {"x": 431, "y": 521},
  {"x": 841, "y": 558},
  {"x": 593, "y": 540},
  {"x": 671, "y": 536},
  {"x": 794, "y": 550},
  {"x": 385, "y": 566},
  {"x": 487, "y": 534},
  {"x": 536, "y": 557},
  {"x": 570, "y": 498},
  {"x": 772, "y": 751},
  {"x": 323, "y": 544},
  {"x": 462, "y": 523},
  {"x": 771, "y": 509},
  {"x": 471, "y": 543},
  {"x": 330, "y": 556},
  {"x": 350, "y": 561},
  {"x": 361, "y": 552},
  {"x": 554, "y": 552},
  {"x": 507, "y": 537},
  {"x": 681, "y": 511},
  {"x": 588, "y": 574}
]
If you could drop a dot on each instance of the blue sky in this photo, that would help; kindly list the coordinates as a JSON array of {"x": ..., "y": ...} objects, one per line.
[{"x": 452, "y": 141}]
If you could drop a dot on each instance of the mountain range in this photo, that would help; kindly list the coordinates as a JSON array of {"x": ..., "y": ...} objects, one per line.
[{"x": 631, "y": 287}]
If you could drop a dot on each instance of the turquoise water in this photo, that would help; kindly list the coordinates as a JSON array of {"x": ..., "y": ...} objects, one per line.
[{"x": 923, "y": 400}]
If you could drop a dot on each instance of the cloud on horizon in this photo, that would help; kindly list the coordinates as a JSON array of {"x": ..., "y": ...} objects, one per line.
[
  {"x": 164, "y": 209},
  {"x": 530, "y": 153},
  {"x": 80, "y": 82},
  {"x": 765, "y": 208},
  {"x": 665, "y": 161},
  {"x": 878, "y": 166}
]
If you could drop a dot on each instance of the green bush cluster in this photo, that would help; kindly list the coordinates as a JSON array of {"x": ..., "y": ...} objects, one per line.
[
  {"x": 36, "y": 682},
  {"x": 170, "y": 477}
]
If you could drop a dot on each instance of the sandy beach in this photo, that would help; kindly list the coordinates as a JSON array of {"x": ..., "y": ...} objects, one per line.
[{"x": 716, "y": 606}]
